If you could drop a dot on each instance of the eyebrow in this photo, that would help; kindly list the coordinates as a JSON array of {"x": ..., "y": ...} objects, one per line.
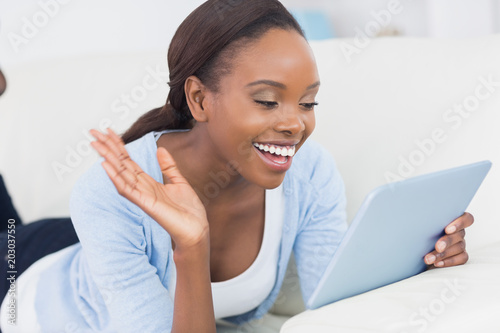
[{"x": 278, "y": 84}]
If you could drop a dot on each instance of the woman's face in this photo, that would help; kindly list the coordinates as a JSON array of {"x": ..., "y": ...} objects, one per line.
[{"x": 265, "y": 106}]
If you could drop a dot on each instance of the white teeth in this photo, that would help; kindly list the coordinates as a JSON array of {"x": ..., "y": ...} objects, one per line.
[{"x": 277, "y": 150}]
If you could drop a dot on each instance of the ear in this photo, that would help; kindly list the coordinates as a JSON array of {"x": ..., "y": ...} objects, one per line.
[{"x": 195, "y": 98}]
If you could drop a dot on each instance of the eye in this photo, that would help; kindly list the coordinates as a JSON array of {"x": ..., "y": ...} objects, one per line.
[
  {"x": 309, "y": 106},
  {"x": 267, "y": 104}
]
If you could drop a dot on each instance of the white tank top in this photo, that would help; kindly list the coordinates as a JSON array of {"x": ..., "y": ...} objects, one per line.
[{"x": 249, "y": 289}]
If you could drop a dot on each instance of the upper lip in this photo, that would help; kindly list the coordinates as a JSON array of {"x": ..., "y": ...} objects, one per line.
[{"x": 279, "y": 142}]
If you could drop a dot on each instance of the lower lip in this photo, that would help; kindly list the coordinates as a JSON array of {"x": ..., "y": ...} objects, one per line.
[{"x": 280, "y": 167}]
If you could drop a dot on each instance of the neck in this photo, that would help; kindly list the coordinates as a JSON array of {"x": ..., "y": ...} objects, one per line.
[{"x": 212, "y": 177}]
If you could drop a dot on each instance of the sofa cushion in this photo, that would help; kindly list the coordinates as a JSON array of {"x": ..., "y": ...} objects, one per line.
[
  {"x": 47, "y": 111},
  {"x": 401, "y": 107},
  {"x": 456, "y": 299}
]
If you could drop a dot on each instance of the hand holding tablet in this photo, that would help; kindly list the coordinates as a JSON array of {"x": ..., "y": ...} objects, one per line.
[
  {"x": 450, "y": 249},
  {"x": 406, "y": 219}
]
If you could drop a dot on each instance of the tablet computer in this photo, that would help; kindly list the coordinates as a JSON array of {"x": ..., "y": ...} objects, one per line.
[{"x": 395, "y": 227}]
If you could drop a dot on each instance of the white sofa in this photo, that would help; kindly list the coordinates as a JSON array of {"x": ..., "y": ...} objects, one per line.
[{"x": 388, "y": 109}]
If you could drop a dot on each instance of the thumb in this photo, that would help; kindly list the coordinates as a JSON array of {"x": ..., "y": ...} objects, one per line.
[{"x": 168, "y": 167}]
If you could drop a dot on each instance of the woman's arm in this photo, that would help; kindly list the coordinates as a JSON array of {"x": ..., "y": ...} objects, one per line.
[
  {"x": 193, "y": 306},
  {"x": 120, "y": 288},
  {"x": 176, "y": 207}
]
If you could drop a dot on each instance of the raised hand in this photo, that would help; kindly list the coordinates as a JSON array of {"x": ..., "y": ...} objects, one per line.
[
  {"x": 173, "y": 204},
  {"x": 450, "y": 249}
]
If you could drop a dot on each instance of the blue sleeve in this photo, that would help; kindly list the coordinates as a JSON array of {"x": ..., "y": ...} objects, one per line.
[
  {"x": 114, "y": 247},
  {"x": 325, "y": 225}
]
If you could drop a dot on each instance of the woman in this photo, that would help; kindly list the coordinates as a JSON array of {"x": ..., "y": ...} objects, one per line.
[{"x": 196, "y": 217}]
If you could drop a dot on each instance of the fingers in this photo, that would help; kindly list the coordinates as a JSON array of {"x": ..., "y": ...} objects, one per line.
[
  {"x": 451, "y": 256},
  {"x": 448, "y": 240},
  {"x": 458, "y": 259},
  {"x": 120, "y": 145},
  {"x": 121, "y": 185},
  {"x": 446, "y": 246},
  {"x": 460, "y": 223},
  {"x": 169, "y": 168},
  {"x": 450, "y": 249},
  {"x": 123, "y": 172}
]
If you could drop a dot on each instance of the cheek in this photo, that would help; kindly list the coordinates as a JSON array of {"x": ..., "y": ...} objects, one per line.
[
  {"x": 233, "y": 126},
  {"x": 239, "y": 118},
  {"x": 310, "y": 123}
]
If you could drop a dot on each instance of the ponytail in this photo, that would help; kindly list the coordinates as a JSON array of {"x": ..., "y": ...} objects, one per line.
[{"x": 159, "y": 119}]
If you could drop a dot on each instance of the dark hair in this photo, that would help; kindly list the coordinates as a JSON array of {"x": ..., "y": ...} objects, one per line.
[{"x": 200, "y": 47}]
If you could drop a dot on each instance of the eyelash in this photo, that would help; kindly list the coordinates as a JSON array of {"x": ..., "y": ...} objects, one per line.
[
  {"x": 267, "y": 104},
  {"x": 271, "y": 105}
]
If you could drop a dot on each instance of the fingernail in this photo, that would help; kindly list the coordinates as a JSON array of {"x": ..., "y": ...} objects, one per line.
[
  {"x": 451, "y": 229},
  {"x": 439, "y": 264},
  {"x": 430, "y": 259},
  {"x": 441, "y": 246}
]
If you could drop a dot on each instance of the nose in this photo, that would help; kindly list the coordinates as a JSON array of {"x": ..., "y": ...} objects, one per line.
[{"x": 290, "y": 122}]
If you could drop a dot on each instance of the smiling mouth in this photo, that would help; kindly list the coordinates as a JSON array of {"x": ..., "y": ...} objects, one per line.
[{"x": 276, "y": 153}]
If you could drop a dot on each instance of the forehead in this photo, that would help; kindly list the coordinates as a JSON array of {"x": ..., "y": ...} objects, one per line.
[{"x": 279, "y": 55}]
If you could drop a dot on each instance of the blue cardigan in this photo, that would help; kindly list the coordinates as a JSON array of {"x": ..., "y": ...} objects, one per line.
[{"x": 116, "y": 278}]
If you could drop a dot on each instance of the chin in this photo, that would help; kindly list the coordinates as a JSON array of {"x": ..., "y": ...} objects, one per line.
[{"x": 271, "y": 182}]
